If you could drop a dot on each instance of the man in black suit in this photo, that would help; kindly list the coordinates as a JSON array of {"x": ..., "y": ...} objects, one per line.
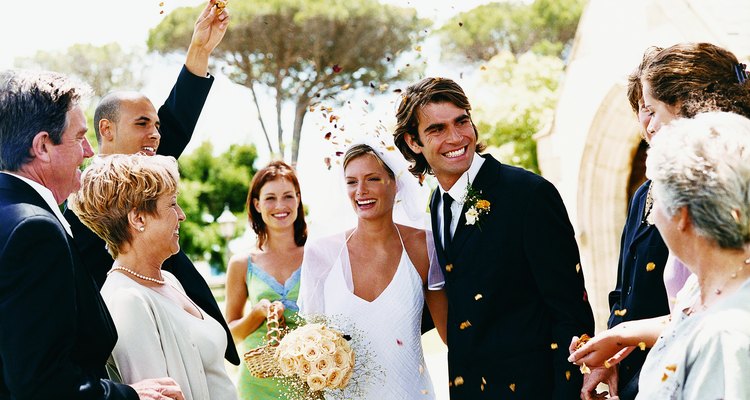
[
  {"x": 127, "y": 123},
  {"x": 55, "y": 331},
  {"x": 515, "y": 287}
]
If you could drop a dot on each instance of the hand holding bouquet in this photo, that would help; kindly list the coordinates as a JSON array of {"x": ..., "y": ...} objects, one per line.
[{"x": 317, "y": 355}]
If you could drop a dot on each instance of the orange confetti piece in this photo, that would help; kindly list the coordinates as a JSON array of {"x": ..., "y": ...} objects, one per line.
[
  {"x": 484, "y": 381},
  {"x": 578, "y": 267},
  {"x": 483, "y": 68},
  {"x": 478, "y": 297},
  {"x": 464, "y": 325},
  {"x": 585, "y": 369},
  {"x": 671, "y": 367},
  {"x": 642, "y": 346},
  {"x": 553, "y": 346},
  {"x": 449, "y": 267},
  {"x": 664, "y": 377},
  {"x": 621, "y": 313},
  {"x": 418, "y": 48},
  {"x": 650, "y": 267},
  {"x": 607, "y": 364},
  {"x": 161, "y": 4},
  {"x": 458, "y": 381},
  {"x": 567, "y": 375},
  {"x": 512, "y": 387},
  {"x": 582, "y": 340}
]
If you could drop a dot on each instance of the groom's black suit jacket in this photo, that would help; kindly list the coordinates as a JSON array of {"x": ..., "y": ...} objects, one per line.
[
  {"x": 178, "y": 117},
  {"x": 515, "y": 291}
]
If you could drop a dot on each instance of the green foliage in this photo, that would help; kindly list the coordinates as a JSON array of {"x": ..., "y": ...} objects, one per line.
[
  {"x": 207, "y": 183},
  {"x": 543, "y": 26},
  {"x": 105, "y": 68},
  {"x": 304, "y": 51},
  {"x": 528, "y": 88}
]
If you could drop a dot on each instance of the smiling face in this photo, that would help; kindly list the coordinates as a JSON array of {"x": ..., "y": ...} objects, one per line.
[
  {"x": 163, "y": 227},
  {"x": 448, "y": 141},
  {"x": 277, "y": 204},
  {"x": 67, "y": 157},
  {"x": 660, "y": 113},
  {"x": 136, "y": 130},
  {"x": 369, "y": 187}
]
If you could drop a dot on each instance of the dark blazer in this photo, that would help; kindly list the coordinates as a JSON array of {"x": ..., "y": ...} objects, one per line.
[
  {"x": 640, "y": 291},
  {"x": 55, "y": 331},
  {"x": 515, "y": 291},
  {"x": 178, "y": 117}
]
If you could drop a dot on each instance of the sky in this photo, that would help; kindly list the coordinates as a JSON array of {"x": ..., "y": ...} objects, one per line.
[{"x": 229, "y": 115}]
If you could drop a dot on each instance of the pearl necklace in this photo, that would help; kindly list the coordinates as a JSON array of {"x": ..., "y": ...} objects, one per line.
[{"x": 135, "y": 274}]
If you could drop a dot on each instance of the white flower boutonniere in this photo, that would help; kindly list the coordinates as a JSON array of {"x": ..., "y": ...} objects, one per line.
[{"x": 477, "y": 205}]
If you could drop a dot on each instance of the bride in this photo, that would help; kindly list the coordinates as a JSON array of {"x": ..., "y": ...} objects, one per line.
[{"x": 377, "y": 275}]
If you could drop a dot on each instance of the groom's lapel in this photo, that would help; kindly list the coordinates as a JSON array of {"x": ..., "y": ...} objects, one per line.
[
  {"x": 435, "y": 228},
  {"x": 485, "y": 178}
]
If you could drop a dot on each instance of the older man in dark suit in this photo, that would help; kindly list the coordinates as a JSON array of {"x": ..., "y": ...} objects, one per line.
[
  {"x": 55, "y": 331},
  {"x": 515, "y": 287},
  {"x": 128, "y": 123}
]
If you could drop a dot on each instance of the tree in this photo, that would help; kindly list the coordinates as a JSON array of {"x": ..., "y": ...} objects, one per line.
[
  {"x": 207, "y": 183},
  {"x": 105, "y": 68},
  {"x": 544, "y": 26},
  {"x": 529, "y": 87},
  {"x": 304, "y": 51}
]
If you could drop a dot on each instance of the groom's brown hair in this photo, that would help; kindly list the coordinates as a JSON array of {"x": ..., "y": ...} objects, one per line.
[{"x": 416, "y": 96}]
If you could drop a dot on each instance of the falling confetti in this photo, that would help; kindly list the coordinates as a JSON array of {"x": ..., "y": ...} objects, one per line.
[
  {"x": 449, "y": 267},
  {"x": 671, "y": 367},
  {"x": 578, "y": 267},
  {"x": 512, "y": 387},
  {"x": 650, "y": 267},
  {"x": 553, "y": 346},
  {"x": 642, "y": 346},
  {"x": 664, "y": 377},
  {"x": 585, "y": 369},
  {"x": 621, "y": 313},
  {"x": 567, "y": 375},
  {"x": 458, "y": 381},
  {"x": 478, "y": 297},
  {"x": 464, "y": 325}
]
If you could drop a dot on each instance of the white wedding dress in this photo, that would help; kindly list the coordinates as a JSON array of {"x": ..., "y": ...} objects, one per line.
[{"x": 391, "y": 323}]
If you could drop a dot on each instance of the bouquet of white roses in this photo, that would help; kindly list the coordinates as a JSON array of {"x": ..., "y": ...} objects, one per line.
[{"x": 317, "y": 355}]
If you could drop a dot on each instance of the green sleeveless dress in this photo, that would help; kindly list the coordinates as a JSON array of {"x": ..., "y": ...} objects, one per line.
[{"x": 261, "y": 285}]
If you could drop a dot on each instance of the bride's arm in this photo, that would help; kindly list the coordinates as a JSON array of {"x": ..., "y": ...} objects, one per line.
[{"x": 435, "y": 296}]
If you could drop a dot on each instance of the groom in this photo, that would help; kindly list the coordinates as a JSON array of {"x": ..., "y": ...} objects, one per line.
[{"x": 515, "y": 286}]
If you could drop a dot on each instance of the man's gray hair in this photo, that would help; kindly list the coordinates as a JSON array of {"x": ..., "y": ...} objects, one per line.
[
  {"x": 33, "y": 102},
  {"x": 703, "y": 163}
]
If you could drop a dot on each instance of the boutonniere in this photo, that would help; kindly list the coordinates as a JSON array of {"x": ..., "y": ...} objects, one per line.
[{"x": 477, "y": 205}]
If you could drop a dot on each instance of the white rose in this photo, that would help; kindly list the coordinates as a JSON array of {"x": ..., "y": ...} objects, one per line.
[
  {"x": 341, "y": 358},
  {"x": 327, "y": 346},
  {"x": 312, "y": 352},
  {"x": 304, "y": 368},
  {"x": 324, "y": 365},
  {"x": 316, "y": 382},
  {"x": 471, "y": 216},
  {"x": 335, "y": 377}
]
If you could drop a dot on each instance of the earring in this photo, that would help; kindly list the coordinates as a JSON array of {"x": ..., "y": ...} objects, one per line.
[{"x": 142, "y": 228}]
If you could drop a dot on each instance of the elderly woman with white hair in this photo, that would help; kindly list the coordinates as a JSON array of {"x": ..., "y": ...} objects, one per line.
[{"x": 701, "y": 174}]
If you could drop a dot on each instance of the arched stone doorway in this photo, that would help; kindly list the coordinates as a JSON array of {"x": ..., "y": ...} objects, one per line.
[{"x": 611, "y": 168}]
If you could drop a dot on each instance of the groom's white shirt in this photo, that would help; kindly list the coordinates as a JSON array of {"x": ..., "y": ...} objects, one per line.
[{"x": 457, "y": 192}]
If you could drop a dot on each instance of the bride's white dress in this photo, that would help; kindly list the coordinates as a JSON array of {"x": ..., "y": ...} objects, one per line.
[{"x": 391, "y": 322}]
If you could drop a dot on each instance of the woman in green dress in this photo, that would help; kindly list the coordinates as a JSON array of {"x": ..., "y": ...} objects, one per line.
[{"x": 270, "y": 273}]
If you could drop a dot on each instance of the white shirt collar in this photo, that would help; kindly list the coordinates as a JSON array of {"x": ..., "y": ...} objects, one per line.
[
  {"x": 458, "y": 190},
  {"x": 48, "y": 197}
]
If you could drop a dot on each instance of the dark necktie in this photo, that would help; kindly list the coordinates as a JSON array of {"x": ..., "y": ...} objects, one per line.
[{"x": 447, "y": 217}]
